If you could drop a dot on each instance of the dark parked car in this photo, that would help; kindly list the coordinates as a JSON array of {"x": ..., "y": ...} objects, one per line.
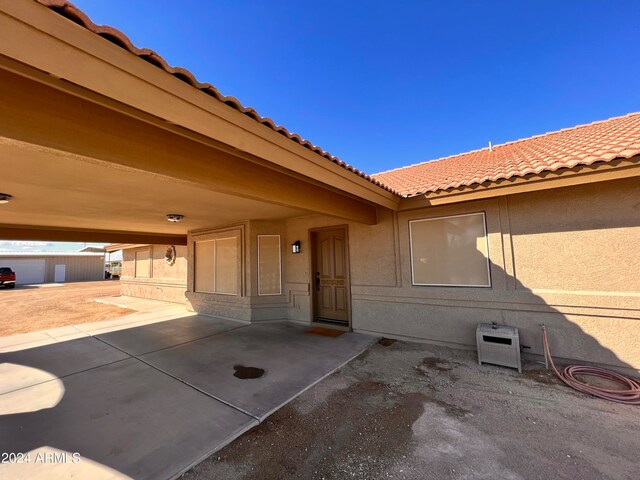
[{"x": 7, "y": 277}]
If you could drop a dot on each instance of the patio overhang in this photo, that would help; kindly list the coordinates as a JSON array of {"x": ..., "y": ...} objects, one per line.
[
  {"x": 97, "y": 142},
  {"x": 53, "y": 234}
]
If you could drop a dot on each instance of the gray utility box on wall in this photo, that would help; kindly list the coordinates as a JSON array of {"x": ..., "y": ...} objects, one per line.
[{"x": 499, "y": 345}]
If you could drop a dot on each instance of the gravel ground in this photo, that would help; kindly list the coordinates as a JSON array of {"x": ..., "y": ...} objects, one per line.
[
  {"x": 405, "y": 410},
  {"x": 29, "y": 309}
]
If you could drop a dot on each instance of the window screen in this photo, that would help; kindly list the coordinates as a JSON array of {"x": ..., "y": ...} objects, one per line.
[
  {"x": 226, "y": 266},
  {"x": 217, "y": 265},
  {"x": 450, "y": 251},
  {"x": 269, "y": 266},
  {"x": 143, "y": 264},
  {"x": 204, "y": 258}
]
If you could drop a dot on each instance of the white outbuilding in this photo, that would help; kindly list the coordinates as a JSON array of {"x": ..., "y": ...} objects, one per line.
[{"x": 46, "y": 267}]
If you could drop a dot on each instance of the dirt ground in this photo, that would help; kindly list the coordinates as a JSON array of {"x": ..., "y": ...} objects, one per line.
[
  {"x": 405, "y": 410},
  {"x": 29, "y": 309}
]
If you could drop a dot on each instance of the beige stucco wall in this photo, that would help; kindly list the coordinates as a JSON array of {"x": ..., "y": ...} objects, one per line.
[
  {"x": 248, "y": 305},
  {"x": 591, "y": 228},
  {"x": 564, "y": 257},
  {"x": 166, "y": 282}
]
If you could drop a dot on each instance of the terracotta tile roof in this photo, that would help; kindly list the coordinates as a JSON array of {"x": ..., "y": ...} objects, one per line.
[
  {"x": 602, "y": 141},
  {"x": 73, "y": 13}
]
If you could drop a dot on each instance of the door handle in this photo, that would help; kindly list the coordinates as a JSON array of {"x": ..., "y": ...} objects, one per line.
[{"x": 318, "y": 281}]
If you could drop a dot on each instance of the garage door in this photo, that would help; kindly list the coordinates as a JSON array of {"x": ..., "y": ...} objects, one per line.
[{"x": 27, "y": 271}]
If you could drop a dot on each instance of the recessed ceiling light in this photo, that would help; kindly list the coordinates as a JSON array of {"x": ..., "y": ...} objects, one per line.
[
  {"x": 174, "y": 217},
  {"x": 4, "y": 198}
]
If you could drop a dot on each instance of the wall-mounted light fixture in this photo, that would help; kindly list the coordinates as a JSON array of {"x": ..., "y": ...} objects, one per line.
[
  {"x": 295, "y": 247},
  {"x": 174, "y": 217},
  {"x": 5, "y": 197}
]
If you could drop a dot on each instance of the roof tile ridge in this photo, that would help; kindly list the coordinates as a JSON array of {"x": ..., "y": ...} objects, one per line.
[
  {"x": 510, "y": 142},
  {"x": 432, "y": 161},
  {"x": 567, "y": 129}
]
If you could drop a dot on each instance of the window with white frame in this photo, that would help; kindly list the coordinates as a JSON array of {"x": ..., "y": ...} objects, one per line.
[
  {"x": 143, "y": 263},
  {"x": 269, "y": 265},
  {"x": 450, "y": 251},
  {"x": 217, "y": 264}
]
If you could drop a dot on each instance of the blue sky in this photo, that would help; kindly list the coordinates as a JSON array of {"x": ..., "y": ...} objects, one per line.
[
  {"x": 388, "y": 84},
  {"x": 35, "y": 246}
]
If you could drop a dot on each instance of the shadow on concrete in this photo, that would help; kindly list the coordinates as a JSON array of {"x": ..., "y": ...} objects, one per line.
[{"x": 151, "y": 401}]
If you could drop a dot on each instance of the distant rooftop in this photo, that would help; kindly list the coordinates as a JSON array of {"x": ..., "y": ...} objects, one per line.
[{"x": 93, "y": 249}]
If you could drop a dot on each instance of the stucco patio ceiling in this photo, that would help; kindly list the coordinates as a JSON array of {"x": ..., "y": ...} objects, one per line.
[{"x": 68, "y": 191}]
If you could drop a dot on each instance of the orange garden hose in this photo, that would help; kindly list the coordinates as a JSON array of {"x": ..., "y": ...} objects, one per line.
[{"x": 629, "y": 395}]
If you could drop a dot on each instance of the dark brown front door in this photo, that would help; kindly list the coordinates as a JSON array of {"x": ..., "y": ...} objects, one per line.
[{"x": 331, "y": 276}]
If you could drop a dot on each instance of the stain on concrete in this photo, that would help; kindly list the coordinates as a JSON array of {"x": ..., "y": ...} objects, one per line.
[
  {"x": 437, "y": 363},
  {"x": 247, "y": 373},
  {"x": 541, "y": 376},
  {"x": 386, "y": 342},
  {"x": 115, "y": 451},
  {"x": 450, "y": 409},
  {"x": 433, "y": 368}
]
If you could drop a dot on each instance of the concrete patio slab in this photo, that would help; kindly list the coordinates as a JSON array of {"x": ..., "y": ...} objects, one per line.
[
  {"x": 126, "y": 416},
  {"x": 18, "y": 377},
  {"x": 156, "y": 336},
  {"x": 23, "y": 339},
  {"x": 139, "y": 304},
  {"x": 154, "y": 415},
  {"x": 60, "y": 332},
  {"x": 133, "y": 320},
  {"x": 59, "y": 471},
  {"x": 62, "y": 358},
  {"x": 292, "y": 360},
  {"x": 150, "y": 311}
]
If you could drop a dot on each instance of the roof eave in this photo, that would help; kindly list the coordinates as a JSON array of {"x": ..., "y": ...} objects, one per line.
[
  {"x": 583, "y": 174},
  {"x": 307, "y": 159}
]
